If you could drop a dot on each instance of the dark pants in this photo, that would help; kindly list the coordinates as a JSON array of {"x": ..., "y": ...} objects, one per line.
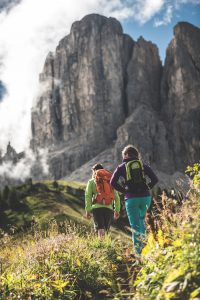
[{"x": 102, "y": 218}]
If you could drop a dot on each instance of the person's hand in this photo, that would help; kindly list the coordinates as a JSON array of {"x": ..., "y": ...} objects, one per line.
[
  {"x": 88, "y": 215},
  {"x": 116, "y": 215}
]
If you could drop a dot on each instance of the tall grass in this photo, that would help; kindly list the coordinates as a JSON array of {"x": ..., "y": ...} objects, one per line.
[
  {"x": 70, "y": 265},
  {"x": 66, "y": 261},
  {"x": 171, "y": 265}
]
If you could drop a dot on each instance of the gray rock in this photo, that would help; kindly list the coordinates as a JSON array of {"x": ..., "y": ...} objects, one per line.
[
  {"x": 84, "y": 172},
  {"x": 144, "y": 129},
  {"x": 83, "y": 100},
  {"x": 144, "y": 74},
  {"x": 180, "y": 94},
  {"x": 100, "y": 88}
]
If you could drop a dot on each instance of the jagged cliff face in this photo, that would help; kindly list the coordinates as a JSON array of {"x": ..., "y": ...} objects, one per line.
[
  {"x": 83, "y": 103},
  {"x": 180, "y": 94},
  {"x": 101, "y": 87},
  {"x": 144, "y": 127},
  {"x": 85, "y": 82}
]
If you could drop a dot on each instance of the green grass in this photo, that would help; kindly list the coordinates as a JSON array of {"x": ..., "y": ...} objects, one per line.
[
  {"x": 171, "y": 266},
  {"x": 71, "y": 265},
  {"x": 43, "y": 202},
  {"x": 50, "y": 251},
  {"x": 59, "y": 257}
]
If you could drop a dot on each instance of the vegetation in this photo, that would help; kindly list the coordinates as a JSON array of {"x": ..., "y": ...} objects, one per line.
[
  {"x": 42, "y": 201},
  {"x": 62, "y": 259},
  {"x": 171, "y": 265},
  {"x": 68, "y": 265}
]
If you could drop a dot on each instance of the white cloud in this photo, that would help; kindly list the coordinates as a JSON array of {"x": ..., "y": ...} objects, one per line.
[
  {"x": 167, "y": 17},
  {"x": 33, "y": 28},
  {"x": 169, "y": 8},
  {"x": 179, "y": 2},
  {"x": 28, "y": 32},
  {"x": 147, "y": 9},
  {"x": 30, "y": 165},
  {"x": 140, "y": 10},
  {"x": 21, "y": 170}
]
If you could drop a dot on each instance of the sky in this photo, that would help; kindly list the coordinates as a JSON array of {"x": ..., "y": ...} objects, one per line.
[
  {"x": 159, "y": 28},
  {"x": 29, "y": 29}
]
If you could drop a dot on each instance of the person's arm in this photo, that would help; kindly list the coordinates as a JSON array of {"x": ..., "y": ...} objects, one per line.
[
  {"x": 88, "y": 196},
  {"x": 152, "y": 176},
  {"x": 117, "y": 205},
  {"x": 114, "y": 181}
]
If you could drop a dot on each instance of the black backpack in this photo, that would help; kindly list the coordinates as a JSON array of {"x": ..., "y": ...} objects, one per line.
[{"x": 135, "y": 177}]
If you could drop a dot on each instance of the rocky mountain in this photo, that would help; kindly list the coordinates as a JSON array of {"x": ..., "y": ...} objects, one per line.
[
  {"x": 101, "y": 90},
  {"x": 180, "y": 90},
  {"x": 11, "y": 155}
]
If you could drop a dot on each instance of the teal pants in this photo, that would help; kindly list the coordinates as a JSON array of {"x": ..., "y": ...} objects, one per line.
[{"x": 136, "y": 209}]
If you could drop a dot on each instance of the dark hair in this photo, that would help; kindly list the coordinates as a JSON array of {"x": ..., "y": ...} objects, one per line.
[
  {"x": 97, "y": 167},
  {"x": 131, "y": 151}
]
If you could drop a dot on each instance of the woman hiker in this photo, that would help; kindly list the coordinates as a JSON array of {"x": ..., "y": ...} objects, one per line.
[
  {"x": 132, "y": 172},
  {"x": 101, "y": 200}
]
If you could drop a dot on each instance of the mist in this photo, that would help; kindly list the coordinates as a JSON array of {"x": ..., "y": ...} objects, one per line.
[
  {"x": 31, "y": 165},
  {"x": 28, "y": 32},
  {"x": 32, "y": 28}
]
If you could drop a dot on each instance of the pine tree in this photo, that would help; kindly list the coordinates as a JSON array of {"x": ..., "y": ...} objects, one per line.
[
  {"x": 13, "y": 200},
  {"x": 5, "y": 196},
  {"x": 55, "y": 185}
]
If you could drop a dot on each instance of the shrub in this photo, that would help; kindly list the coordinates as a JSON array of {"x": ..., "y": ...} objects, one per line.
[{"x": 171, "y": 266}]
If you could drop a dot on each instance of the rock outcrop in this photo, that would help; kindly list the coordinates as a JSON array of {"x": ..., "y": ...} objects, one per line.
[
  {"x": 143, "y": 79},
  {"x": 101, "y": 88},
  {"x": 181, "y": 94},
  {"x": 144, "y": 129},
  {"x": 11, "y": 155},
  {"x": 84, "y": 89}
]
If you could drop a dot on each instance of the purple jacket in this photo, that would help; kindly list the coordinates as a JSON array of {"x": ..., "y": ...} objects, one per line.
[{"x": 118, "y": 180}]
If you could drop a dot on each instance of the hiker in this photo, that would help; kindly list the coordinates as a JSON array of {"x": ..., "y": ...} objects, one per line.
[
  {"x": 99, "y": 200},
  {"x": 136, "y": 191}
]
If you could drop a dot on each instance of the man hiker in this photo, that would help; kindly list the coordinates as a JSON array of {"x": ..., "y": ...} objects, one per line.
[
  {"x": 132, "y": 172},
  {"x": 101, "y": 200}
]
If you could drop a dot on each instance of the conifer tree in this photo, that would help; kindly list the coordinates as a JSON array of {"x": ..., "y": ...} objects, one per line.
[{"x": 5, "y": 196}]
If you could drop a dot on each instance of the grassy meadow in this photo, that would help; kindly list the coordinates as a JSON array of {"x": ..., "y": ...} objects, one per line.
[{"x": 49, "y": 250}]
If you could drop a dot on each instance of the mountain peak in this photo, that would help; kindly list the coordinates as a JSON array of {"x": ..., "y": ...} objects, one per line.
[
  {"x": 185, "y": 28},
  {"x": 91, "y": 20}
]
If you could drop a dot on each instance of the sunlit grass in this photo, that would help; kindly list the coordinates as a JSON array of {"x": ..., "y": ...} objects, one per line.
[
  {"x": 60, "y": 266},
  {"x": 171, "y": 265},
  {"x": 59, "y": 257}
]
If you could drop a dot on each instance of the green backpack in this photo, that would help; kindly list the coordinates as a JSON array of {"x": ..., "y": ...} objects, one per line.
[{"x": 135, "y": 177}]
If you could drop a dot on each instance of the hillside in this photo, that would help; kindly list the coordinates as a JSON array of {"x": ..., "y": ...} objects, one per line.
[
  {"x": 39, "y": 202},
  {"x": 68, "y": 262}
]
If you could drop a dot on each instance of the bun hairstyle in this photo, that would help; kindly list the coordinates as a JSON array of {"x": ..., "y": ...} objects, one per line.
[
  {"x": 97, "y": 167},
  {"x": 131, "y": 151}
]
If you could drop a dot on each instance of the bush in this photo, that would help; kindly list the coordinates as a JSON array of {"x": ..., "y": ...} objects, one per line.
[{"x": 171, "y": 266}]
